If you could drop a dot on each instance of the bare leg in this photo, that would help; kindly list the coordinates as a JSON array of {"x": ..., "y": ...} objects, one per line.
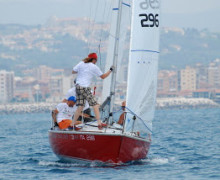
[
  {"x": 77, "y": 114},
  {"x": 97, "y": 114}
]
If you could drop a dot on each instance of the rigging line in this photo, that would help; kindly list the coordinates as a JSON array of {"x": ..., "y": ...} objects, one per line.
[
  {"x": 89, "y": 26},
  {"x": 92, "y": 23},
  {"x": 130, "y": 12},
  {"x": 99, "y": 46},
  {"x": 106, "y": 18},
  {"x": 139, "y": 118},
  {"x": 100, "y": 56},
  {"x": 109, "y": 11}
]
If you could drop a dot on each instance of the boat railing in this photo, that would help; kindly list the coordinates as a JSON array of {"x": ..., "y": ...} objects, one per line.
[
  {"x": 115, "y": 115},
  {"x": 147, "y": 133},
  {"x": 135, "y": 116}
]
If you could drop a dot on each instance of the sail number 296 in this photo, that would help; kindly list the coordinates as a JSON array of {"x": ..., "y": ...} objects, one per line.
[{"x": 149, "y": 20}]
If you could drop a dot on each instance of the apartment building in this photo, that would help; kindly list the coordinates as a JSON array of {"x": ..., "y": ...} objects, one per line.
[
  {"x": 214, "y": 75},
  {"x": 187, "y": 79},
  {"x": 167, "y": 83},
  {"x": 43, "y": 73},
  {"x": 58, "y": 86},
  {"x": 6, "y": 86}
]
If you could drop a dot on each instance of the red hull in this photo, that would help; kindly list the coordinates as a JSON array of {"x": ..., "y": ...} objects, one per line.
[{"x": 103, "y": 147}]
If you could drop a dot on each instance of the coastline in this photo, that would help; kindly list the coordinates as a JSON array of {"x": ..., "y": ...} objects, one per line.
[
  {"x": 185, "y": 103},
  {"x": 162, "y": 103},
  {"x": 27, "y": 107}
]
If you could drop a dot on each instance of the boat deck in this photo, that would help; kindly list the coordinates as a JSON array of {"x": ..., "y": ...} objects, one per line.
[{"x": 92, "y": 128}]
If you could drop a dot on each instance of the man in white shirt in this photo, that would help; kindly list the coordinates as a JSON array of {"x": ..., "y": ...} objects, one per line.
[
  {"x": 85, "y": 71},
  {"x": 64, "y": 112}
]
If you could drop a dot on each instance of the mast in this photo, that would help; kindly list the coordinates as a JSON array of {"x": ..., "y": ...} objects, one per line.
[{"x": 116, "y": 45}]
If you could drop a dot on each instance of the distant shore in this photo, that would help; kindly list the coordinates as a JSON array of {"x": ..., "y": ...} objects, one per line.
[
  {"x": 26, "y": 107},
  {"x": 185, "y": 103},
  {"x": 162, "y": 103}
]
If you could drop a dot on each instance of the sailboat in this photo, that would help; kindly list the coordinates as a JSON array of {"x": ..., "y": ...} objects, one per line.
[{"x": 130, "y": 142}]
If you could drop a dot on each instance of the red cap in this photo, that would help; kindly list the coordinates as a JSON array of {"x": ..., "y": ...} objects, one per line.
[{"x": 93, "y": 56}]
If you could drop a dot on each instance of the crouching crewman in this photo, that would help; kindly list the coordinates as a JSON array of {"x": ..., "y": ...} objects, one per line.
[{"x": 64, "y": 112}]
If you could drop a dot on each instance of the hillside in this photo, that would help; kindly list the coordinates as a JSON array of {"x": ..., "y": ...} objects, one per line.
[
  {"x": 181, "y": 47},
  {"x": 61, "y": 44}
]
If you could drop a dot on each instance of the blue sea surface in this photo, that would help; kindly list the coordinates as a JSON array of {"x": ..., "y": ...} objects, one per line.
[{"x": 185, "y": 145}]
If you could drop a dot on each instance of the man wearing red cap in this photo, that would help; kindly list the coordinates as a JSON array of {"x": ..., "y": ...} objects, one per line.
[
  {"x": 93, "y": 56},
  {"x": 85, "y": 71}
]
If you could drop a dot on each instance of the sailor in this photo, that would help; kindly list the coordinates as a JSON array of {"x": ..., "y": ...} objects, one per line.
[
  {"x": 123, "y": 114},
  {"x": 64, "y": 112},
  {"x": 85, "y": 71}
]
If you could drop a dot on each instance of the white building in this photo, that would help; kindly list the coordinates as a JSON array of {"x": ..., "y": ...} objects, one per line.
[
  {"x": 6, "y": 86},
  {"x": 187, "y": 79},
  {"x": 59, "y": 85},
  {"x": 214, "y": 74}
]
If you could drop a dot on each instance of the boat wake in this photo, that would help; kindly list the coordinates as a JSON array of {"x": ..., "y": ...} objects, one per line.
[
  {"x": 74, "y": 164},
  {"x": 157, "y": 160},
  {"x": 58, "y": 164},
  {"x": 151, "y": 161},
  {"x": 95, "y": 164}
]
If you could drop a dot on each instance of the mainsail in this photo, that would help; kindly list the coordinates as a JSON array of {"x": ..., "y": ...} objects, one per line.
[{"x": 143, "y": 64}]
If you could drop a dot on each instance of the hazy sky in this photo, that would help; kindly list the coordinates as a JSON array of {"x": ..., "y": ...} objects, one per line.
[{"x": 175, "y": 13}]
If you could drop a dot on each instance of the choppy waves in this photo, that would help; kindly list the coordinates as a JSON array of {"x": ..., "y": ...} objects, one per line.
[{"x": 184, "y": 146}]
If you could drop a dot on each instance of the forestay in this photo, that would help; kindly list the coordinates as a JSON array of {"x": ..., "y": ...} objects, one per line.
[{"x": 143, "y": 64}]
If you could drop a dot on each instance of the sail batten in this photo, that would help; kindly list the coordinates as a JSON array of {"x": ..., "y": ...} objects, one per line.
[{"x": 144, "y": 50}]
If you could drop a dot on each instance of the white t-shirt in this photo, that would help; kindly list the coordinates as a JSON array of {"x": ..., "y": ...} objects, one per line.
[
  {"x": 65, "y": 112},
  {"x": 85, "y": 73},
  {"x": 72, "y": 92}
]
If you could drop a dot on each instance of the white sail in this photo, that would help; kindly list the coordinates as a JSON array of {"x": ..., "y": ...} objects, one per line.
[
  {"x": 143, "y": 64},
  {"x": 122, "y": 48}
]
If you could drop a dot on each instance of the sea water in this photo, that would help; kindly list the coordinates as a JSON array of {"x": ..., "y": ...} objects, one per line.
[{"x": 185, "y": 145}]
